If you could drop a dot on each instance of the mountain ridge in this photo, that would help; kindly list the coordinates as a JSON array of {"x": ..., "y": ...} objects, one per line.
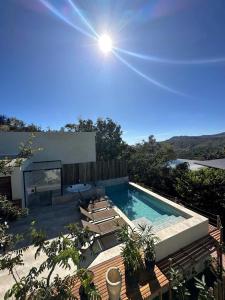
[
  {"x": 206, "y": 146},
  {"x": 221, "y": 134}
]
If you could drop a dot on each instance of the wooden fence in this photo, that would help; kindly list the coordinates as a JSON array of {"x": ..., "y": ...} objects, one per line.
[{"x": 94, "y": 171}]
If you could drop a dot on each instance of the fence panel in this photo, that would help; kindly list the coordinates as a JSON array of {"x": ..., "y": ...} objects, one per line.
[{"x": 93, "y": 171}]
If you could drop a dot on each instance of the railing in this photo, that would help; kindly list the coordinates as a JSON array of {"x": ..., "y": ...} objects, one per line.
[{"x": 213, "y": 218}]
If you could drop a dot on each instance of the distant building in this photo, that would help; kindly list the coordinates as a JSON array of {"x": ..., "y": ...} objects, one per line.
[
  {"x": 200, "y": 164},
  {"x": 213, "y": 163},
  {"x": 193, "y": 164}
]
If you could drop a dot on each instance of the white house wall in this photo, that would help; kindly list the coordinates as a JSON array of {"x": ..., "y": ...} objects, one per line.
[
  {"x": 17, "y": 184},
  {"x": 65, "y": 146}
]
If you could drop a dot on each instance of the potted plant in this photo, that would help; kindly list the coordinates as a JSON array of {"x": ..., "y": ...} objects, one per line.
[
  {"x": 147, "y": 242},
  {"x": 149, "y": 256},
  {"x": 130, "y": 251},
  {"x": 113, "y": 282},
  {"x": 87, "y": 289}
]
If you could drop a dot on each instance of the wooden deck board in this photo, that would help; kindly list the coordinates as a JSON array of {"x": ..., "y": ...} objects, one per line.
[{"x": 152, "y": 286}]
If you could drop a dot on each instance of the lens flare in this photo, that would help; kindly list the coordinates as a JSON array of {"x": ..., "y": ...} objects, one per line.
[
  {"x": 78, "y": 12},
  {"x": 105, "y": 43},
  {"x": 156, "y": 59},
  {"x": 148, "y": 78},
  {"x": 64, "y": 19}
]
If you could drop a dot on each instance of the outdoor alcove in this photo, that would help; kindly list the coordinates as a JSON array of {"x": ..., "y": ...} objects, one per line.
[{"x": 42, "y": 181}]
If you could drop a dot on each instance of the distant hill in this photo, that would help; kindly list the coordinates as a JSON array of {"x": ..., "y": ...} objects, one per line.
[{"x": 199, "y": 147}]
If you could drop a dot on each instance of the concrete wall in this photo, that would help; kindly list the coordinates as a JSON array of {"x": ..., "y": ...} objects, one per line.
[
  {"x": 17, "y": 183},
  {"x": 177, "y": 240},
  {"x": 65, "y": 146}
]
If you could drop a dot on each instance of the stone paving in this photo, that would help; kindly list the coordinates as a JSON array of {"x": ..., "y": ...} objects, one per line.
[{"x": 51, "y": 219}]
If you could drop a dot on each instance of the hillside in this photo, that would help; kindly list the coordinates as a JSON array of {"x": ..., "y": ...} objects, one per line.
[{"x": 199, "y": 147}]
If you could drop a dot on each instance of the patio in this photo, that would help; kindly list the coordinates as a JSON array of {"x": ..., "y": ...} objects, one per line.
[{"x": 51, "y": 219}]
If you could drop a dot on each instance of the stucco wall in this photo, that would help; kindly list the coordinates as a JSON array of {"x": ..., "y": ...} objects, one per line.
[
  {"x": 178, "y": 240},
  {"x": 65, "y": 146},
  {"x": 17, "y": 184}
]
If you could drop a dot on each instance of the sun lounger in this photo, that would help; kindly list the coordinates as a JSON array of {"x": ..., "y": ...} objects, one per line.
[
  {"x": 104, "y": 227},
  {"x": 99, "y": 215},
  {"x": 97, "y": 205}
]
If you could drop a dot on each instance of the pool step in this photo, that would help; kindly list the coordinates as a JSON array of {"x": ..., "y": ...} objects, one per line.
[
  {"x": 160, "y": 224},
  {"x": 142, "y": 221},
  {"x": 166, "y": 221}
]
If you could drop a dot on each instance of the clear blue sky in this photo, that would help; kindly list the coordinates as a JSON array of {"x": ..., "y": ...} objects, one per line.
[{"x": 51, "y": 74}]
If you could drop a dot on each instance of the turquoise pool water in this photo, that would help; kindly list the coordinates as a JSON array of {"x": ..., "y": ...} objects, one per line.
[{"x": 136, "y": 204}]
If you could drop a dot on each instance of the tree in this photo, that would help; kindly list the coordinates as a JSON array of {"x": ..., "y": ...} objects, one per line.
[
  {"x": 148, "y": 162},
  {"x": 109, "y": 143},
  {"x": 204, "y": 188},
  {"x": 3, "y": 119},
  {"x": 60, "y": 251},
  {"x": 14, "y": 124}
]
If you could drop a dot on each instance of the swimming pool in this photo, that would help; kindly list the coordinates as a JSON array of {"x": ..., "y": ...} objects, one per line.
[
  {"x": 175, "y": 225},
  {"x": 142, "y": 208}
]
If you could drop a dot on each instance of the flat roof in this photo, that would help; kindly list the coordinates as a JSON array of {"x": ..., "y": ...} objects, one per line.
[
  {"x": 44, "y": 165},
  {"x": 193, "y": 164},
  {"x": 213, "y": 163}
]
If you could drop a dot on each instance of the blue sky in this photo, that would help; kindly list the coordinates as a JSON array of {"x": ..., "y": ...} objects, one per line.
[{"x": 51, "y": 73}]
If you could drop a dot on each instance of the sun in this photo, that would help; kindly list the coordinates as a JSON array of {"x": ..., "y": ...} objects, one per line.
[{"x": 105, "y": 43}]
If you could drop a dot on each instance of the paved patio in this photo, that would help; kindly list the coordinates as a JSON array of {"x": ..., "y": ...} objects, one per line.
[{"x": 53, "y": 220}]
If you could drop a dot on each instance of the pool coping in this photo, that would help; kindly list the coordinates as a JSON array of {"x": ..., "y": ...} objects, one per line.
[{"x": 180, "y": 234}]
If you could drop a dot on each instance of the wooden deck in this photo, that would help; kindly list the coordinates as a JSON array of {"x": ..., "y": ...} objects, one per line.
[
  {"x": 153, "y": 286},
  {"x": 149, "y": 286}
]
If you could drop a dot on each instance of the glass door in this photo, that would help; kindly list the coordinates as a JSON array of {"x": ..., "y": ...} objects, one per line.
[{"x": 41, "y": 186}]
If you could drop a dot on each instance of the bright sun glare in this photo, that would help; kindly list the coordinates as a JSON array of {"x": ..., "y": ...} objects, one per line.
[{"x": 105, "y": 43}]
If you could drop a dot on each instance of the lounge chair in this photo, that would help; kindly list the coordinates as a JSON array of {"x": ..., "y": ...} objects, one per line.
[
  {"x": 104, "y": 227},
  {"x": 97, "y": 205},
  {"x": 99, "y": 215}
]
